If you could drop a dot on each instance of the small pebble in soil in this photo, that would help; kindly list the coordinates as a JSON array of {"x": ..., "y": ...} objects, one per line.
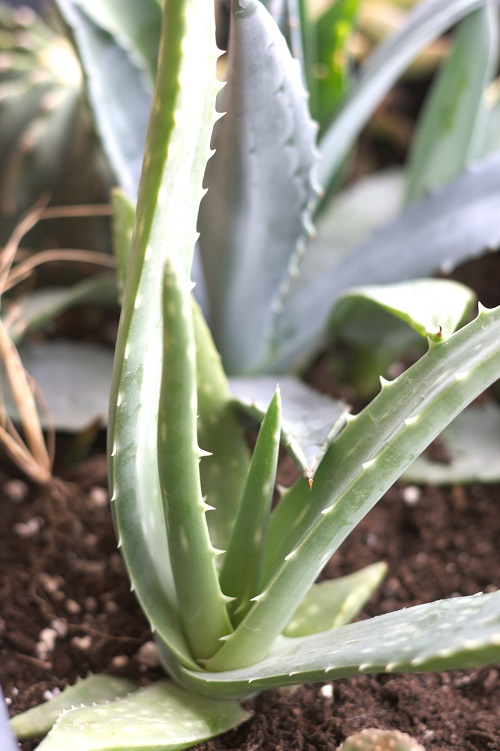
[
  {"x": 73, "y": 607},
  {"x": 46, "y": 643},
  {"x": 60, "y": 627},
  {"x": 15, "y": 490},
  {"x": 411, "y": 495},
  {"x": 50, "y": 583},
  {"x": 90, "y": 604},
  {"x": 326, "y": 691},
  {"x": 48, "y": 695},
  {"x": 148, "y": 655},
  {"x": 98, "y": 496},
  {"x": 29, "y": 528},
  {"x": 120, "y": 662},
  {"x": 83, "y": 643}
]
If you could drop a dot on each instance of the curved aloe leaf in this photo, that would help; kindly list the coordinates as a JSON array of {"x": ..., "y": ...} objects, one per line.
[
  {"x": 460, "y": 632},
  {"x": 161, "y": 717},
  {"x": 452, "y": 121},
  {"x": 425, "y": 22},
  {"x": 259, "y": 188},
  {"x": 359, "y": 467},
  {"x": 176, "y": 153},
  {"x": 434, "y": 308},
  {"x": 91, "y": 691}
]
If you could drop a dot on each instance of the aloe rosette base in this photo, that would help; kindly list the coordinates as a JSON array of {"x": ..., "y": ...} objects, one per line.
[{"x": 223, "y": 579}]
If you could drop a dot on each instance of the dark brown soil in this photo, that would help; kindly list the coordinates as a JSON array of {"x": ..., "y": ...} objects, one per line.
[{"x": 59, "y": 563}]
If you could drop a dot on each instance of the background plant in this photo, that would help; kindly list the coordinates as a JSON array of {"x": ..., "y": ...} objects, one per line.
[{"x": 225, "y": 633}]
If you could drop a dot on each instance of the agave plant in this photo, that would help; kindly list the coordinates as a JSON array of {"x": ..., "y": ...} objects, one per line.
[
  {"x": 226, "y": 582},
  {"x": 47, "y": 141}
]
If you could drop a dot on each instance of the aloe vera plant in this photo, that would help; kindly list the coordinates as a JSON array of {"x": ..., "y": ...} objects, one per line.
[{"x": 227, "y": 582}]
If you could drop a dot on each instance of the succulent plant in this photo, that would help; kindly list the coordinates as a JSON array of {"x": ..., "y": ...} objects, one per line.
[
  {"x": 226, "y": 582},
  {"x": 374, "y": 739},
  {"x": 47, "y": 140}
]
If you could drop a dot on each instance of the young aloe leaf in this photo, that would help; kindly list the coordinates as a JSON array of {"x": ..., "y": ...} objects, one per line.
[
  {"x": 490, "y": 142},
  {"x": 434, "y": 308},
  {"x": 120, "y": 96},
  {"x": 219, "y": 432},
  {"x": 460, "y": 632},
  {"x": 177, "y": 149},
  {"x": 123, "y": 229},
  {"x": 335, "y": 602},
  {"x": 202, "y": 607},
  {"x": 259, "y": 188},
  {"x": 310, "y": 420},
  {"x": 161, "y": 717},
  {"x": 424, "y": 23},
  {"x": 94, "y": 690},
  {"x": 242, "y": 566},
  {"x": 308, "y": 526},
  {"x": 476, "y": 460},
  {"x": 449, "y": 128},
  {"x": 453, "y": 225}
]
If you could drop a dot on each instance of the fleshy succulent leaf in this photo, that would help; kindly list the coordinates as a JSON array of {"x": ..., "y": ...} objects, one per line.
[
  {"x": 471, "y": 444},
  {"x": 177, "y": 149},
  {"x": 221, "y": 435},
  {"x": 454, "y": 224},
  {"x": 334, "y": 602},
  {"x": 361, "y": 464},
  {"x": 160, "y": 717},
  {"x": 242, "y": 566},
  {"x": 202, "y": 607},
  {"x": 452, "y": 120},
  {"x": 123, "y": 229},
  {"x": 96, "y": 689},
  {"x": 121, "y": 111},
  {"x": 260, "y": 188},
  {"x": 310, "y": 420},
  {"x": 424, "y": 23},
  {"x": 459, "y": 632}
]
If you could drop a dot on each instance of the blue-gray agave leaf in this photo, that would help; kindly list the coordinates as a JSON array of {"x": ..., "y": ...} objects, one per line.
[
  {"x": 438, "y": 232},
  {"x": 254, "y": 218}
]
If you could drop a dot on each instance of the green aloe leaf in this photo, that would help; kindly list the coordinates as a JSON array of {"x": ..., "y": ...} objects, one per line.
[
  {"x": 434, "y": 308},
  {"x": 308, "y": 526},
  {"x": 241, "y": 570},
  {"x": 123, "y": 228},
  {"x": 460, "y": 632},
  {"x": 177, "y": 149},
  {"x": 161, "y": 717},
  {"x": 220, "y": 434},
  {"x": 310, "y": 420},
  {"x": 425, "y": 22},
  {"x": 94, "y": 690},
  {"x": 472, "y": 446},
  {"x": 334, "y": 602},
  {"x": 260, "y": 188},
  {"x": 448, "y": 130}
]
